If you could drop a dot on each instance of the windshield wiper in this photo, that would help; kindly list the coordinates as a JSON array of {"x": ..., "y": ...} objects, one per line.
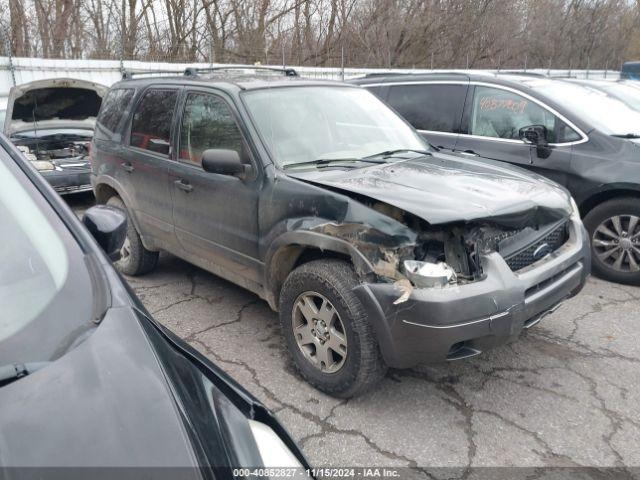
[
  {"x": 15, "y": 371},
  {"x": 391, "y": 153},
  {"x": 323, "y": 162},
  {"x": 626, "y": 135}
]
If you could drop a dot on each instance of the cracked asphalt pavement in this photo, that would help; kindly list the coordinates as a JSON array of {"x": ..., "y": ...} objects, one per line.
[{"x": 565, "y": 394}]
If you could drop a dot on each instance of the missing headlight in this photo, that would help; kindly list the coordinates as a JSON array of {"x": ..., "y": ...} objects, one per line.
[{"x": 426, "y": 274}]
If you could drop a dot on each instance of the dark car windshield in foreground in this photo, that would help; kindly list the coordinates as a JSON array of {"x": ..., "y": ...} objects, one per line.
[
  {"x": 607, "y": 114},
  {"x": 45, "y": 287},
  {"x": 305, "y": 124}
]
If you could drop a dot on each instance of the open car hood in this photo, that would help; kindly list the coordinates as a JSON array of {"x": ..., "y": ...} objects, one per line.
[
  {"x": 444, "y": 188},
  {"x": 53, "y": 103}
]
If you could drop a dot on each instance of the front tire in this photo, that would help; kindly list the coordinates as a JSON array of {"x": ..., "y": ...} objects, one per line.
[
  {"x": 135, "y": 259},
  {"x": 614, "y": 231},
  {"x": 326, "y": 329}
]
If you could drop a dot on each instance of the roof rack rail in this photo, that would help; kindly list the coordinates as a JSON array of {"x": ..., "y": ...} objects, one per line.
[
  {"x": 128, "y": 74},
  {"x": 194, "y": 71},
  {"x": 385, "y": 74},
  {"x": 564, "y": 76},
  {"x": 523, "y": 73}
]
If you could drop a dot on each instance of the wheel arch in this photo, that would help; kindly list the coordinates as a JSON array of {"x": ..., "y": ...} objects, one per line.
[
  {"x": 614, "y": 191},
  {"x": 106, "y": 187},
  {"x": 295, "y": 248}
]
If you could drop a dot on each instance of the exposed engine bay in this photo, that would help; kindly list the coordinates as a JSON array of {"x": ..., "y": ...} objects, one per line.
[
  {"x": 62, "y": 158},
  {"x": 53, "y": 147}
]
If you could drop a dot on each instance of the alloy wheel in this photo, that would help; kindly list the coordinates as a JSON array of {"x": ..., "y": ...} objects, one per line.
[
  {"x": 616, "y": 243},
  {"x": 319, "y": 332}
]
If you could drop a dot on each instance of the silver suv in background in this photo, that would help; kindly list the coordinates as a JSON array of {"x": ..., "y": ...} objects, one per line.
[{"x": 51, "y": 122}]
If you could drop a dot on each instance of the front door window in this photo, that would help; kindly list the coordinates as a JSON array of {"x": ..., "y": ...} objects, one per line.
[
  {"x": 501, "y": 114},
  {"x": 207, "y": 123}
]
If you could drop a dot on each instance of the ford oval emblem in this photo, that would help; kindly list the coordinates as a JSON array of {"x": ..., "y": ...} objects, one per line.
[{"x": 541, "y": 251}]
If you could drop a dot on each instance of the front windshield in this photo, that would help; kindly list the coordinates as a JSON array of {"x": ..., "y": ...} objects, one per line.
[
  {"x": 45, "y": 287},
  {"x": 607, "y": 114},
  {"x": 303, "y": 124}
]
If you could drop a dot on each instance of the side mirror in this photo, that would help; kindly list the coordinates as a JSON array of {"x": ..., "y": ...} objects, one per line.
[
  {"x": 536, "y": 135},
  {"x": 223, "y": 162},
  {"x": 108, "y": 226}
]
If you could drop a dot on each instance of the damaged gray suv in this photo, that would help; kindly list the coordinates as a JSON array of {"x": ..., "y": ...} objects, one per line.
[{"x": 376, "y": 250}]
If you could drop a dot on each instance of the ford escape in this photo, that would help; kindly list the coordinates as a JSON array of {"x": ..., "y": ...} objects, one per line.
[{"x": 375, "y": 249}]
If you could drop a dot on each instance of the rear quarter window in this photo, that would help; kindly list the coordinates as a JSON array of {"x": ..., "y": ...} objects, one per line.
[
  {"x": 378, "y": 91},
  {"x": 114, "y": 108},
  {"x": 435, "y": 107}
]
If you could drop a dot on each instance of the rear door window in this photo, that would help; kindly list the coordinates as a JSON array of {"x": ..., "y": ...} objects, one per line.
[
  {"x": 434, "y": 107},
  {"x": 113, "y": 108},
  {"x": 151, "y": 124}
]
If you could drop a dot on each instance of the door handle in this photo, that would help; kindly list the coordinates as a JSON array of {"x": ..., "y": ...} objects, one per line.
[
  {"x": 127, "y": 167},
  {"x": 182, "y": 185},
  {"x": 469, "y": 153}
]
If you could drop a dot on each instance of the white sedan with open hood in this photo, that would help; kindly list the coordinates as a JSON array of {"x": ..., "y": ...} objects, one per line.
[{"x": 51, "y": 122}]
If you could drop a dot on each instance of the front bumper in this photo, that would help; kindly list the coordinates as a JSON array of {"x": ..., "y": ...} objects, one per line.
[
  {"x": 459, "y": 321},
  {"x": 69, "y": 180}
]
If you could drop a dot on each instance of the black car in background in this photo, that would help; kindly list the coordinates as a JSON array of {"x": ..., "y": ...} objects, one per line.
[
  {"x": 51, "y": 122},
  {"x": 87, "y": 377},
  {"x": 375, "y": 249},
  {"x": 576, "y": 136}
]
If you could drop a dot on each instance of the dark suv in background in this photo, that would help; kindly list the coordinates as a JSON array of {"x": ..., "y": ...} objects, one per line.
[
  {"x": 376, "y": 249},
  {"x": 576, "y": 136}
]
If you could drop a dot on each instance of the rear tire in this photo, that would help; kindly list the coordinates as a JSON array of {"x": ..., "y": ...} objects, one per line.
[
  {"x": 135, "y": 258},
  {"x": 614, "y": 231},
  {"x": 317, "y": 287}
]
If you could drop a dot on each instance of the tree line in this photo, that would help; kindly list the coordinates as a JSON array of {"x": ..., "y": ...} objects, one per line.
[{"x": 353, "y": 33}]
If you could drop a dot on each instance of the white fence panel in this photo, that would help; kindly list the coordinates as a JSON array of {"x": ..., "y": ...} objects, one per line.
[{"x": 107, "y": 72}]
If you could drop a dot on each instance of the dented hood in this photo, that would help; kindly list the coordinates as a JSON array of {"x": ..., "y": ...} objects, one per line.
[{"x": 444, "y": 188}]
